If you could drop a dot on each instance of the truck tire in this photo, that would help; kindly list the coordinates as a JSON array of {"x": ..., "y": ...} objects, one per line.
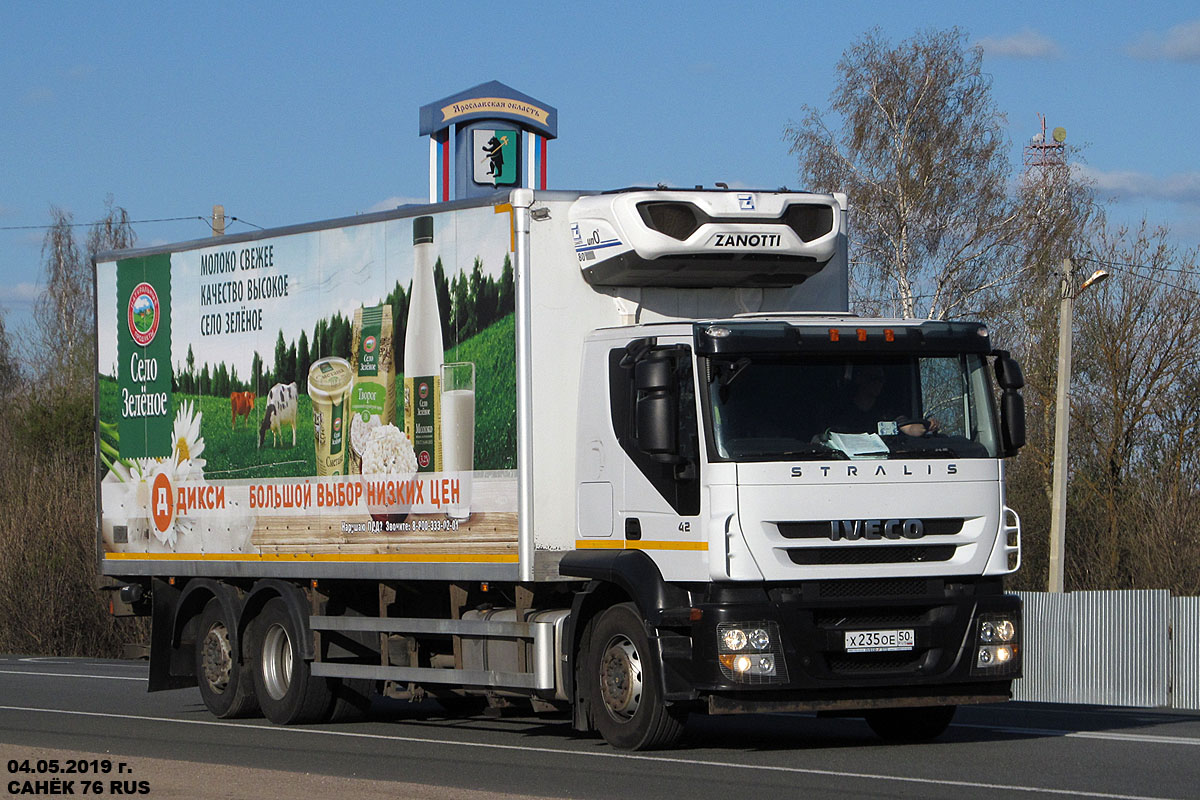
[
  {"x": 287, "y": 690},
  {"x": 911, "y": 724},
  {"x": 622, "y": 684},
  {"x": 226, "y": 686}
]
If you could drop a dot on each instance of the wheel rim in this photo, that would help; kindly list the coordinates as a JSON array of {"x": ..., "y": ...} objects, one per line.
[
  {"x": 277, "y": 662},
  {"x": 621, "y": 678},
  {"x": 216, "y": 658}
]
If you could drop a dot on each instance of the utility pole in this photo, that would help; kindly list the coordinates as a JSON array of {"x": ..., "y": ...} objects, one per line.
[
  {"x": 218, "y": 220},
  {"x": 1062, "y": 421}
]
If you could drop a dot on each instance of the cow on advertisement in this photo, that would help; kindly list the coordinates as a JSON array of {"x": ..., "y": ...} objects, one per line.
[
  {"x": 281, "y": 410},
  {"x": 241, "y": 404}
]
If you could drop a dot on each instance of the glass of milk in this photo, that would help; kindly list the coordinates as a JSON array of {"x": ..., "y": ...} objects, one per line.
[{"x": 458, "y": 432}]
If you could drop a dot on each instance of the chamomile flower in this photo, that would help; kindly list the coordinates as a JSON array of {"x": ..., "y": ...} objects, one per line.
[{"x": 186, "y": 442}]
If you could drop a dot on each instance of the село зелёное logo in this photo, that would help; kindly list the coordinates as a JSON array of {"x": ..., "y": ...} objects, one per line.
[{"x": 142, "y": 314}]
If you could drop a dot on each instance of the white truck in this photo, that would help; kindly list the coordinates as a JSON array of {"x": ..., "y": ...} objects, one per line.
[{"x": 658, "y": 470}]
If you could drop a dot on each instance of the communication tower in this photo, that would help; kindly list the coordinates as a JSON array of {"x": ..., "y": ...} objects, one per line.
[{"x": 1043, "y": 151}]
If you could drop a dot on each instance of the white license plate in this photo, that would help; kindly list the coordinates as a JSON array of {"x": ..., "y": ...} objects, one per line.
[{"x": 879, "y": 641}]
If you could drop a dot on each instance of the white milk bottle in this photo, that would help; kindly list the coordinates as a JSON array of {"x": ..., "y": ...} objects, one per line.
[{"x": 423, "y": 354}]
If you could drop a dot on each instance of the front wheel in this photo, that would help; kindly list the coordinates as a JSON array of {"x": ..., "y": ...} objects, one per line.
[
  {"x": 911, "y": 724},
  {"x": 622, "y": 684},
  {"x": 287, "y": 690}
]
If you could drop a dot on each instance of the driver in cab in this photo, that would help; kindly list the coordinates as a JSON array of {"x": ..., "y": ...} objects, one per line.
[{"x": 868, "y": 406}]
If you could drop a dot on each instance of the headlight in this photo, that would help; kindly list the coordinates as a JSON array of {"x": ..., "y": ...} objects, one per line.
[
  {"x": 746, "y": 667},
  {"x": 997, "y": 630},
  {"x": 998, "y": 646},
  {"x": 994, "y": 656},
  {"x": 734, "y": 639},
  {"x": 750, "y": 652}
]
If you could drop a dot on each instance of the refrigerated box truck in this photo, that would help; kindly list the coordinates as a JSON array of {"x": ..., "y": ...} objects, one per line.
[{"x": 621, "y": 453}]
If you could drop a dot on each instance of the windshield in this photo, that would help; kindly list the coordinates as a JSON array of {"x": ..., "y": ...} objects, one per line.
[{"x": 817, "y": 407}]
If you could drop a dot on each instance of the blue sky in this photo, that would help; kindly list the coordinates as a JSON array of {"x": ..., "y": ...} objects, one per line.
[{"x": 303, "y": 111}]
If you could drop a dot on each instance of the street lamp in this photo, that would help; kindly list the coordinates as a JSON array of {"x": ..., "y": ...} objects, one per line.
[{"x": 1062, "y": 421}]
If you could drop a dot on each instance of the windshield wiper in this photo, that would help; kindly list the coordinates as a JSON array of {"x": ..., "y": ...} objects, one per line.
[
  {"x": 924, "y": 452},
  {"x": 730, "y": 373},
  {"x": 814, "y": 449}
]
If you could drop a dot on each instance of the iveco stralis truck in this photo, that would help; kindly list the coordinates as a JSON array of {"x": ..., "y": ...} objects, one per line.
[{"x": 646, "y": 465}]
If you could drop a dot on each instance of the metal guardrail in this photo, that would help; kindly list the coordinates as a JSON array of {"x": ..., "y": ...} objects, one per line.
[{"x": 1120, "y": 648}]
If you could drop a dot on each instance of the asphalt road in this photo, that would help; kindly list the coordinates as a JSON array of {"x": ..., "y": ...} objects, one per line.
[{"x": 53, "y": 708}]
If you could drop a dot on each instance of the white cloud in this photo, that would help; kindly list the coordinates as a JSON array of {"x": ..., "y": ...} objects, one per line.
[
  {"x": 1026, "y": 44},
  {"x": 19, "y": 294},
  {"x": 392, "y": 202},
  {"x": 1180, "y": 187},
  {"x": 1180, "y": 43}
]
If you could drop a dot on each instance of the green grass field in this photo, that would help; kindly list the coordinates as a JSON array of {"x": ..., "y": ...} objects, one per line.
[
  {"x": 234, "y": 452},
  {"x": 494, "y": 352}
]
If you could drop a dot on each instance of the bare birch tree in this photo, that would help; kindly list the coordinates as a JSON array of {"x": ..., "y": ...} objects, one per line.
[
  {"x": 919, "y": 146},
  {"x": 65, "y": 319},
  {"x": 1136, "y": 416}
]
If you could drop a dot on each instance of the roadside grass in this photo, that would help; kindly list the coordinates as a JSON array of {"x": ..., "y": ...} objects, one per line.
[{"x": 49, "y": 582}]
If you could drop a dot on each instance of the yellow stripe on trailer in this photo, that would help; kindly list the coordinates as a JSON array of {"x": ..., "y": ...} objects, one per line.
[{"x": 489, "y": 558}]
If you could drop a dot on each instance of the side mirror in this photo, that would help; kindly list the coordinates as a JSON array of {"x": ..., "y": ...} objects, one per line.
[
  {"x": 656, "y": 424},
  {"x": 1012, "y": 405},
  {"x": 1012, "y": 421},
  {"x": 1008, "y": 371}
]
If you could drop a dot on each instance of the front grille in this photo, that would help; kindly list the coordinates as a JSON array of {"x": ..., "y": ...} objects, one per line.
[
  {"x": 873, "y": 587},
  {"x": 870, "y": 618},
  {"x": 887, "y": 554},
  {"x": 823, "y": 529},
  {"x": 874, "y": 663}
]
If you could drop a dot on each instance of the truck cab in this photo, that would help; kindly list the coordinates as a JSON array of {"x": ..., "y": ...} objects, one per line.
[{"x": 823, "y": 498}]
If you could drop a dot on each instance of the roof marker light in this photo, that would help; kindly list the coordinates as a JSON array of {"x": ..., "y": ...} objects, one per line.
[
  {"x": 889, "y": 335},
  {"x": 834, "y": 335},
  {"x": 862, "y": 334}
]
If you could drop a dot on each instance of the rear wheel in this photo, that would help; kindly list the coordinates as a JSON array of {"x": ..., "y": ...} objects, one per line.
[
  {"x": 226, "y": 686},
  {"x": 911, "y": 724},
  {"x": 623, "y": 686},
  {"x": 287, "y": 690}
]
